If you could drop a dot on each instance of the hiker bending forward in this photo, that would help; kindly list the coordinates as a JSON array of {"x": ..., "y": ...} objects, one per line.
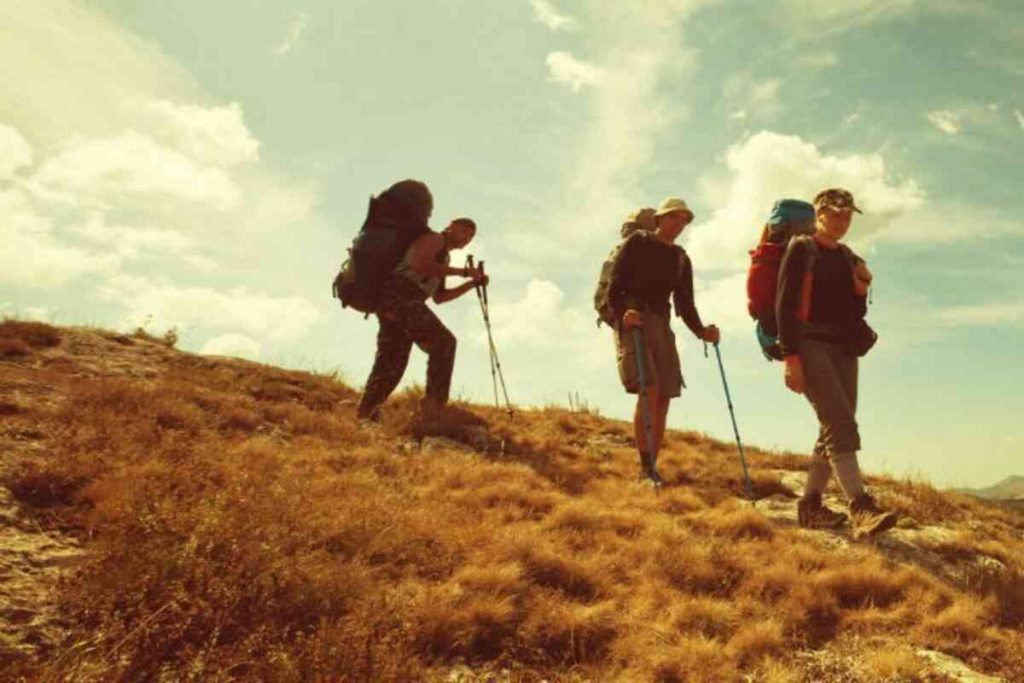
[
  {"x": 650, "y": 270},
  {"x": 404, "y": 318},
  {"x": 820, "y": 307}
]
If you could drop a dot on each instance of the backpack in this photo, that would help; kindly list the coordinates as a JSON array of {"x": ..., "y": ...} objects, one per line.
[
  {"x": 641, "y": 220},
  {"x": 394, "y": 220},
  {"x": 763, "y": 279},
  {"x": 762, "y": 285}
]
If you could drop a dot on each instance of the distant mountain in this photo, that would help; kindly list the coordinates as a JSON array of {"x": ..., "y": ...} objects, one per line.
[{"x": 1011, "y": 488}]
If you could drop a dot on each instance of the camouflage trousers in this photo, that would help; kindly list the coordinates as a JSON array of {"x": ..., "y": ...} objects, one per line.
[{"x": 405, "y": 319}]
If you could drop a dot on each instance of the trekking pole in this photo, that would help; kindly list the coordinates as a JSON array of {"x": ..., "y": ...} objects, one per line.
[
  {"x": 494, "y": 349},
  {"x": 483, "y": 313},
  {"x": 645, "y": 407},
  {"x": 496, "y": 373},
  {"x": 732, "y": 414}
]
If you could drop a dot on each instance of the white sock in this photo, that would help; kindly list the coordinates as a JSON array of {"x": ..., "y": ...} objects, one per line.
[
  {"x": 848, "y": 473},
  {"x": 817, "y": 477}
]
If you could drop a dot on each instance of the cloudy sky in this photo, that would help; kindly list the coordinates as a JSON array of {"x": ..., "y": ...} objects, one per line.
[{"x": 203, "y": 166}]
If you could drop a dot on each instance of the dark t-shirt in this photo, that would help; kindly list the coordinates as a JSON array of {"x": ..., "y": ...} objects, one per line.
[
  {"x": 647, "y": 274},
  {"x": 833, "y": 300}
]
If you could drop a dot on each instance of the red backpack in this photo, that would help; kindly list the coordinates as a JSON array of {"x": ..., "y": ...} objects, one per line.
[{"x": 763, "y": 278}]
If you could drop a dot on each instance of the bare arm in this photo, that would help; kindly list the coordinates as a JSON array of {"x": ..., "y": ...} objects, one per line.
[{"x": 444, "y": 295}]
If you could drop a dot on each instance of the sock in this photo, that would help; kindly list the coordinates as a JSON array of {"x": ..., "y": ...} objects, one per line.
[
  {"x": 817, "y": 477},
  {"x": 848, "y": 473},
  {"x": 644, "y": 462}
]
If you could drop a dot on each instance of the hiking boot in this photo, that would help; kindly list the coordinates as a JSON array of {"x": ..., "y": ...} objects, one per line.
[
  {"x": 432, "y": 412},
  {"x": 366, "y": 416},
  {"x": 868, "y": 518},
  {"x": 811, "y": 514}
]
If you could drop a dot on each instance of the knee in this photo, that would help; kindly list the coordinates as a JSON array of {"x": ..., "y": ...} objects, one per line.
[
  {"x": 846, "y": 438},
  {"x": 844, "y": 456},
  {"x": 445, "y": 345}
]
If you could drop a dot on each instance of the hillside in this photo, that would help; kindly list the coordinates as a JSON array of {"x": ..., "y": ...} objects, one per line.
[
  {"x": 1011, "y": 488},
  {"x": 171, "y": 516}
]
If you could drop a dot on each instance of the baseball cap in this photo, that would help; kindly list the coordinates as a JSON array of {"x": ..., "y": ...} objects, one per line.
[{"x": 836, "y": 197}]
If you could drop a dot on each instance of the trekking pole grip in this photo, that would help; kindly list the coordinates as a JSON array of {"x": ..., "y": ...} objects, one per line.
[{"x": 483, "y": 288}]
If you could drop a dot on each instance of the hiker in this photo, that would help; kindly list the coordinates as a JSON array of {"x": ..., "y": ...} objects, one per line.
[
  {"x": 401, "y": 309},
  {"x": 820, "y": 307},
  {"x": 649, "y": 270}
]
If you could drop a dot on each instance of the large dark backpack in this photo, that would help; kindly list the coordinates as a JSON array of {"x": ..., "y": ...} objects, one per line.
[{"x": 392, "y": 224}]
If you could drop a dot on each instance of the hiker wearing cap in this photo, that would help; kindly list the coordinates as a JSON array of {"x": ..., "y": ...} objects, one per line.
[
  {"x": 820, "y": 308},
  {"x": 402, "y": 312},
  {"x": 651, "y": 269}
]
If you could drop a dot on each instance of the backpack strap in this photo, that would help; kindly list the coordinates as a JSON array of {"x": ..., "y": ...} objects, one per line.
[
  {"x": 803, "y": 309},
  {"x": 803, "y": 312},
  {"x": 684, "y": 258}
]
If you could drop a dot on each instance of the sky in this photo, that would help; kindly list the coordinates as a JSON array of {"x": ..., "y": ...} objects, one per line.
[{"x": 204, "y": 166}]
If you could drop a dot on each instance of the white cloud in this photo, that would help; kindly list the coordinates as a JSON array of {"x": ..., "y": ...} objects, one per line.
[
  {"x": 723, "y": 301},
  {"x": 537, "y": 318},
  {"x": 9, "y": 309},
  {"x": 854, "y": 115},
  {"x": 15, "y": 151},
  {"x": 757, "y": 99},
  {"x": 67, "y": 68},
  {"x": 294, "y": 33},
  {"x": 946, "y": 120},
  {"x": 840, "y": 15},
  {"x": 946, "y": 220},
  {"x": 565, "y": 69},
  {"x": 765, "y": 94},
  {"x": 545, "y": 13},
  {"x": 214, "y": 135},
  {"x": 957, "y": 119},
  {"x": 30, "y": 255},
  {"x": 166, "y": 306},
  {"x": 634, "y": 103},
  {"x": 768, "y": 166},
  {"x": 202, "y": 263},
  {"x": 234, "y": 345},
  {"x": 541, "y": 319},
  {"x": 131, "y": 242},
  {"x": 1020, "y": 117},
  {"x": 817, "y": 60},
  {"x": 121, "y": 159},
  {"x": 1008, "y": 313},
  {"x": 102, "y": 172}
]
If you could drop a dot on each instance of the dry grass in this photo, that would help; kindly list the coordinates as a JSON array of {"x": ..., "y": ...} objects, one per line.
[
  {"x": 241, "y": 524},
  {"x": 19, "y": 337},
  {"x": 899, "y": 664}
]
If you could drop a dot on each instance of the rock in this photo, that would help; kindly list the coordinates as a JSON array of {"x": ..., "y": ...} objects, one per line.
[{"x": 954, "y": 669}]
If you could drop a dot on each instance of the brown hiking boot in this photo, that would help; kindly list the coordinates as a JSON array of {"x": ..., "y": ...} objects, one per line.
[
  {"x": 868, "y": 518},
  {"x": 811, "y": 514}
]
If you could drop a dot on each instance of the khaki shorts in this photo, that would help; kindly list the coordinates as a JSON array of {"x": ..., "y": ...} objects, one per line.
[{"x": 662, "y": 364}]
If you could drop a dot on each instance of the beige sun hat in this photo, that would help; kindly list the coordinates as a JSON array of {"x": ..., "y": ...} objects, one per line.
[{"x": 671, "y": 205}]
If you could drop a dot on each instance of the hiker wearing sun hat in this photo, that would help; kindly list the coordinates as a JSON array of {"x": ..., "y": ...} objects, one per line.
[
  {"x": 820, "y": 308},
  {"x": 651, "y": 270}
]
